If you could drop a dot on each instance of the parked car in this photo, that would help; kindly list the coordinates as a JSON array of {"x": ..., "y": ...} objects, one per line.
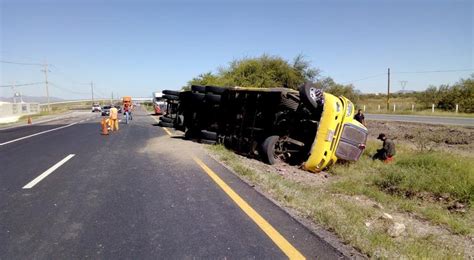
[
  {"x": 106, "y": 110},
  {"x": 307, "y": 127},
  {"x": 96, "y": 108}
]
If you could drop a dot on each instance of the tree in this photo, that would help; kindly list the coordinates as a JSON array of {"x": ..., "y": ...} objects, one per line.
[
  {"x": 206, "y": 79},
  {"x": 446, "y": 97},
  {"x": 261, "y": 72}
]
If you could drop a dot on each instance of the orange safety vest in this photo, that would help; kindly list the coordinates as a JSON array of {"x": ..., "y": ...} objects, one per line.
[{"x": 113, "y": 113}]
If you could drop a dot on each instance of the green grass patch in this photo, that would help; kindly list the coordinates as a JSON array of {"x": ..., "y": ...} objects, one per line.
[
  {"x": 427, "y": 184},
  {"x": 332, "y": 206},
  {"x": 149, "y": 107}
]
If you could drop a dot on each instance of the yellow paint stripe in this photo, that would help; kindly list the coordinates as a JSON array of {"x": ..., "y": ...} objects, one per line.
[
  {"x": 164, "y": 128},
  {"x": 271, "y": 232},
  {"x": 167, "y": 131}
]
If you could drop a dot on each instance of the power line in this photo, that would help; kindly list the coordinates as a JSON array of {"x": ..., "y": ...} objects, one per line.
[
  {"x": 432, "y": 71},
  {"x": 21, "y": 63},
  {"x": 68, "y": 90},
  {"x": 369, "y": 77},
  {"x": 21, "y": 85}
]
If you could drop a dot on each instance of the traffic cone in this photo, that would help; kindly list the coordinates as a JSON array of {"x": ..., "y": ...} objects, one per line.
[
  {"x": 29, "y": 120},
  {"x": 103, "y": 124}
]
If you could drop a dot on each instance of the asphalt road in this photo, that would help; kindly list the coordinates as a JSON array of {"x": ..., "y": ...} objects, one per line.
[
  {"x": 135, "y": 194},
  {"x": 462, "y": 121}
]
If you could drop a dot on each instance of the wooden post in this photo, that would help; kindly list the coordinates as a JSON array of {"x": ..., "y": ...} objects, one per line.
[{"x": 388, "y": 89}]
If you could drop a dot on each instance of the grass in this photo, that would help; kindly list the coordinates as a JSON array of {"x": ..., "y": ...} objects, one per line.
[
  {"x": 149, "y": 106},
  {"x": 423, "y": 183},
  {"x": 334, "y": 207}
]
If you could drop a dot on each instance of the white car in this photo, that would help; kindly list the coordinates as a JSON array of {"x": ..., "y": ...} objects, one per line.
[{"x": 96, "y": 108}]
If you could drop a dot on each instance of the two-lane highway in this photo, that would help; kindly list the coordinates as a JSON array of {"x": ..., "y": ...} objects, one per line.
[
  {"x": 434, "y": 120},
  {"x": 137, "y": 193}
]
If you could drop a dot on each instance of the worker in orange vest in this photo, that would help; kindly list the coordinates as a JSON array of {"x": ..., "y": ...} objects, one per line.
[{"x": 114, "y": 119}]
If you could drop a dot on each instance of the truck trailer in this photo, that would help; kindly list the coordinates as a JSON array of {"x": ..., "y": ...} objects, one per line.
[{"x": 308, "y": 127}]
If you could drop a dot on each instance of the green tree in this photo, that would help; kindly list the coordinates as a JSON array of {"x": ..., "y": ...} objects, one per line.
[
  {"x": 261, "y": 72},
  {"x": 207, "y": 79}
]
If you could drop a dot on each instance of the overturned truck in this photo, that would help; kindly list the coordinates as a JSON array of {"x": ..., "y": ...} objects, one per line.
[{"x": 309, "y": 128}]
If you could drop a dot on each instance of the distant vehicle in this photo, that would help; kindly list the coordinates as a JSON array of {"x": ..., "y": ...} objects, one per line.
[
  {"x": 119, "y": 108},
  {"x": 159, "y": 103},
  {"x": 308, "y": 127},
  {"x": 106, "y": 110},
  {"x": 96, "y": 108}
]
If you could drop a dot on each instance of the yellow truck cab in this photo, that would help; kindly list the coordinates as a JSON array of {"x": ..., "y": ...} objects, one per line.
[{"x": 339, "y": 135}]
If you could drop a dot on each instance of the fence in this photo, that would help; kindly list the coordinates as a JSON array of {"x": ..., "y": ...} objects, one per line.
[{"x": 401, "y": 107}]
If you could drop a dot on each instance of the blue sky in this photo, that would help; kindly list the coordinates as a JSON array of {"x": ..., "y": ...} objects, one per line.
[{"x": 136, "y": 47}]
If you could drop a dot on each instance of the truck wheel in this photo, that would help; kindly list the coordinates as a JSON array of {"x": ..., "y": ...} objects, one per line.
[
  {"x": 165, "y": 124},
  {"x": 215, "y": 89},
  {"x": 311, "y": 95},
  {"x": 212, "y": 98},
  {"x": 269, "y": 149},
  {"x": 170, "y": 97},
  {"x": 197, "y": 97},
  {"x": 171, "y": 92},
  {"x": 289, "y": 103},
  {"x": 197, "y": 88},
  {"x": 166, "y": 119},
  {"x": 208, "y": 142},
  {"x": 208, "y": 135}
]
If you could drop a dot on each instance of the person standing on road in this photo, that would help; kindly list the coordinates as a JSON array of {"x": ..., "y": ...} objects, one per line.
[
  {"x": 387, "y": 151},
  {"x": 114, "y": 119},
  {"x": 360, "y": 117}
]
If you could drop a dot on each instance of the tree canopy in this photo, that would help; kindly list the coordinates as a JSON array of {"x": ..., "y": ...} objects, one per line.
[{"x": 261, "y": 72}]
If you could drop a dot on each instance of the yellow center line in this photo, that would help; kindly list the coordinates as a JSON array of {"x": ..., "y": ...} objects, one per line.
[
  {"x": 271, "y": 232},
  {"x": 164, "y": 128},
  {"x": 167, "y": 131}
]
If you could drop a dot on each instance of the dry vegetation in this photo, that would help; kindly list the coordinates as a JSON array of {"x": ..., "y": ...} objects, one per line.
[{"x": 419, "y": 206}]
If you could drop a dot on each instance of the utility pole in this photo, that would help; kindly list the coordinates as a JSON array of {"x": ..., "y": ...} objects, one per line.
[
  {"x": 45, "y": 70},
  {"x": 403, "y": 83},
  {"x": 92, "y": 91},
  {"x": 14, "y": 91},
  {"x": 112, "y": 100},
  {"x": 388, "y": 89}
]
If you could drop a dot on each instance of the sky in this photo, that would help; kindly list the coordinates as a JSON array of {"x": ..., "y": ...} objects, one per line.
[{"x": 137, "y": 47}]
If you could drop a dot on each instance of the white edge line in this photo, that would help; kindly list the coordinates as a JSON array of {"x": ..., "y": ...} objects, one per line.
[
  {"x": 40, "y": 133},
  {"x": 45, "y": 174}
]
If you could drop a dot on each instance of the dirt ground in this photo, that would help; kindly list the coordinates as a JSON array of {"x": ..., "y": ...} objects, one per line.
[{"x": 437, "y": 137}]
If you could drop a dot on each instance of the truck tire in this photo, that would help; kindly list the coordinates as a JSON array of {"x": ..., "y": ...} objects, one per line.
[
  {"x": 213, "y": 98},
  {"x": 197, "y": 97},
  {"x": 208, "y": 135},
  {"x": 166, "y": 119},
  {"x": 311, "y": 96},
  {"x": 165, "y": 124},
  {"x": 197, "y": 88},
  {"x": 171, "y": 92},
  {"x": 215, "y": 89},
  {"x": 171, "y": 97},
  {"x": 289, "y": 103},
  {"x": 268, "y": 149},
  {"x": 208, "y": 142}
]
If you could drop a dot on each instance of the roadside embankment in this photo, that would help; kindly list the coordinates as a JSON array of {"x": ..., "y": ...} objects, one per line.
[{"x": 420, "y": 206}]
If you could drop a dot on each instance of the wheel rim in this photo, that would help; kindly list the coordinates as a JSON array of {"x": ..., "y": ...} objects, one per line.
[
  {"x": 313, "y": 93},
  {"x": 280, "y": 151}
]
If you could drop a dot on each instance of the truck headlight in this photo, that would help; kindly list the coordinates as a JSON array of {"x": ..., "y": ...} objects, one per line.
[{"x": 350, "y": 107}]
